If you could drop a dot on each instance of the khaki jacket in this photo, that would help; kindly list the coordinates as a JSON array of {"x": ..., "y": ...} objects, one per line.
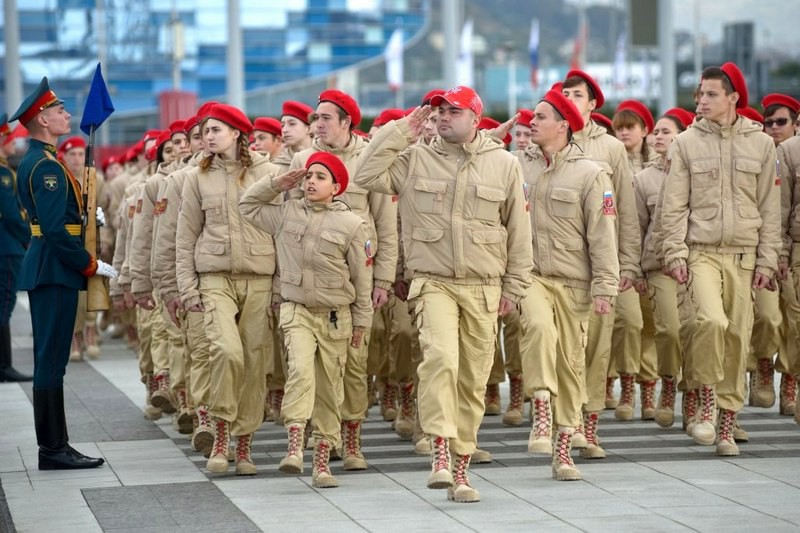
[
  {"x": 142, "y": 226},
  {"x": 322, "y": 249},
  {"x": 721, "y": 194},
  {"x": 610, "y": 154},
  {"x": 162, "y": 267},
  {"x": 789, "y": 166},
  {"x": 127, "y": 210},
  {"x": 647, "y": 186},
  {"x": 212, "y": 236},
  {"x": 462, "y": 207},
  {"x": 573, "y": 236},
  {"x": 377, "y": 210}
]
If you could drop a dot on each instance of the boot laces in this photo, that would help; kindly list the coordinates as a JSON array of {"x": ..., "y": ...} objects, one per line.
[
  {"x": 460, "y": 470},
  {"x": 407, "y": 399},
  {"x": 562, "y": 449},
  {"x": 202, "y": 415},
  {"x": 727, "y": 421},
  {"x": 789, "y": 388},
  {"x": 590, "y": 428},
  {"x": 352, "y": 442},
  {"x": 667, "y": 392},
  {"x": 152, "y": 383},
  {"x": 441, "y": 454},
  {"x": 628, "y": 386},
  {"x": 295, "y": 439},
  {"x": 766, "y": 372},
  {"x": 182, "y": 399},
  {"x": 222, "y": 438},
  {"x": 492, "y": 394},
  {"x": 389, "y": 396},
  {"x": 609, "y": 387},
  {"x": 243, "y": 448},
  {"x": 515, "y": 393},
  {"x": 690, "y": 399},
  {"x": 648, "y": 394},
  {"x": 277, "y": 400},
  {"x": 542, "y": 420},
  {"x": 707, "y": 404},
  {"x": 321, "y": 457}
]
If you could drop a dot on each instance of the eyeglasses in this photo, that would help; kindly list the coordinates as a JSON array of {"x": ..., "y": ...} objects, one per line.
[{"x": 781, "y": 122}]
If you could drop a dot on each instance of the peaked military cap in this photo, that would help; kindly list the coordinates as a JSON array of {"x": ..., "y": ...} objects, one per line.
[{"x": 39, "y": 100}]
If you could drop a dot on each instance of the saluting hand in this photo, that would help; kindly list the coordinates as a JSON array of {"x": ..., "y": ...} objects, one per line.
[
  {"x": 416, "y": 120},
  {"x": 289, "y": 180},
  {"x": 504, "y": 129}
]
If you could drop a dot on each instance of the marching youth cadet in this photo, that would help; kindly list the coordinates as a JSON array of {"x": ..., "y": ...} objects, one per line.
[
  {"x": 603, "y": 121},
  {"x": 54, "y": 269},
  {"x": 721, "y": 226},
  {"x": 163, "y": 274},
  {"x": 224, "y": 268},
  {"x": 770, "y": 326},
  {"x": 267, "y": 136},
  {"x": 15, "y": 236},
  {"x": 659, "y": 287},
  {"x": 635, "y": 357},
  {"x": 777, "y": 107},
  {"x": 326, "y": 285},
  {"x": 575, "y": 273},
  {"x": 295, "y": 132},
  {"x": 625, "y": 317},
  {"x": 337, "y": 116},
  {"x": 468, "y": 243}
]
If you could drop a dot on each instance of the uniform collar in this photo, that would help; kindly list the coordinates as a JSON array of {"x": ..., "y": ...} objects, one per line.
[{"x": 42, "y": 145}]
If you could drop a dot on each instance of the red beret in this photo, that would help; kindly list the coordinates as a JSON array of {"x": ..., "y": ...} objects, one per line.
[
  {"x": 598, "y": 93},
  {"x": 426, "y": 100},
  {"x": 684, "y": 117},
  {"x": 603, "y": 121},
  {"x": 344, "y": 101},
  {"x": 268, "y": 124},
  {"x": 488, "y": 123},
  {"x": 334, "y": 166},
  {"x": 150, "y": 134},
  {"x": 566, "y": 108},
  {"x": 737, "y": 80},
  {"x": 557, "y": 86},
  {"x": 780, "y": 99},
  {"x": 178, "y": 126},
  {"x": 462, "y": 97},
  {"x": 108, "y": 161},
  {"x": 388, "y": 115},
  {"x": 409, "y": 110},
  {"x": 752, "y": 114},
  {"x": 163, "y": 137},
  {"x": 190, "y": 124},
  {"x": 70, "y": 143},
  {"x": 232, "y": 116},
  {"x": 297, "y": 110},
  {"x": 525, "y": 117},
  {"x": 134, "y": 151},
  {"x": 641, "y": 111},
  {"x": 202, "y": 112}
]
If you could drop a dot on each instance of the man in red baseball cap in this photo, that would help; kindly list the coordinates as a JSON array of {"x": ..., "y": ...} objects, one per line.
[
  {"x": 337, "y": 115},
  {"x": 621, "y": 328},
  {"x": 725, "y": 252},
  {"x": 463, "y": 213},
  {"x": 569, "y": 283}
]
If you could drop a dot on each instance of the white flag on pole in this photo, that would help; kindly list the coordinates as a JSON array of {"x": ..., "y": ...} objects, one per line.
[
  {"x": 394, "y": 60},
  {"x": 465, "y": 74}
]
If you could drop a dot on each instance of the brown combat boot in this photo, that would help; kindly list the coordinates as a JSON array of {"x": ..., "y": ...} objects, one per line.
[
  {"x": 203, "y": 438},
  {"x": 665, "y": 414},
  {"x": 321, "y": 476},
  {"x": 218, "y": 462},
  {"x": 462, "y": 491},
  {"x": 563, "y": 467},
  {"x": 491, "y": 400},
  {"x": 726, "y": 444},
  {"x": 404, "y": 423},
  {"x": 704, "y": 431},
  {"x": 162, "y": 397},
  {"x": 182, "y": 419},
  {"x": 648, "y": 395},
  {"x": 440, "y": 476},
  {"x": 764, "y": 393},
  {"x": 150, "y": 385},
  {"x": 293, "y": 462},
  {"x": 627, "y": 398},
  {"x": 788, "y": 403},
  {"x": 611, "y": 401},
  {"x": 593, "y": 449},
  {"x": 540, "y": 440},
  {"x": 516, "y": 403},
  {"x": 388, "y": 401},
  {"x": 353, "y": 458},
  {"x": 244, "y": 461}
]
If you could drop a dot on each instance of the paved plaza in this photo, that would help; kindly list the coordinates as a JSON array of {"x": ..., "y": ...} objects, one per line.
[{"x": 653, "y": 479}]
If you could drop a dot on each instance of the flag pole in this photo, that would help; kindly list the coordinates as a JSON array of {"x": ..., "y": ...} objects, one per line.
[{"x": 97, "y": 286}]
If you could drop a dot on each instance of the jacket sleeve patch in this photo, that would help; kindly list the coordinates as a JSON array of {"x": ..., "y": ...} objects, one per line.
[
  {"x": 51, "y": 183},
  {"x": 608, "y": 203},
  {"x": 368, "y": 252},
  {"x": 6, "y": 181}
]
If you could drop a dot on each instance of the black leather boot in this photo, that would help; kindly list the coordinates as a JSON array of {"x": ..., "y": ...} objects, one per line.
[
  {"x": 55, "y": 453},
  {"x": 7, "y": 372}
]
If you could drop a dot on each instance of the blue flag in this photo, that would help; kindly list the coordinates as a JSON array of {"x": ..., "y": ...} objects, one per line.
[{"x": 98, "y": 104}]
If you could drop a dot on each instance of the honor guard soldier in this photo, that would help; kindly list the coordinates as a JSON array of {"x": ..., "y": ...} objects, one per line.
[
  {"x": 54, "y": 269},
  {"x": 721, "y": 222},
  {"x": 15, "y": 234},
  {"x": 467, "y": 240}
]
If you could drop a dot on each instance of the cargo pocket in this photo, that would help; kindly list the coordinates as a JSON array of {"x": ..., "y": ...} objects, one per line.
[
  {"x": 293, "y": 234},
  {"x": 212, "y": 248},
  {"x": 487, "y": 203},
  {"x": 565, "y": 203},
  {"x": 212, "y": 210},
  {"x": 332, "y": 243},
  {"x": 747, "y": 261},
  {"x": 705, "y": 173},
  {"x": 747, "y": 171},
  {"x": 491, "y": 296},
  {"x": 342, "y": 327},
  {"x": 209, "y": 321},
  {"x": 429, "y": 196}
]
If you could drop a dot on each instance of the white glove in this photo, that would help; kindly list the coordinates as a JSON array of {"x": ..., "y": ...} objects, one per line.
[
  {"x": 106, "y": 270},
  {"x": 100, "y": 216}
]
